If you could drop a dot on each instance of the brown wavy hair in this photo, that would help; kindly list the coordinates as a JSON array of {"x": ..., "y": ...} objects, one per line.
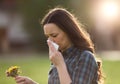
[{"x": 67, "y": 22}]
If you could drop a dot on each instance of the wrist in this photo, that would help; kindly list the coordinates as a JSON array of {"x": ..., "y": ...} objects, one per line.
[
  {"x": 61, "y": 65},
  {"x": 36, "y": 83}
]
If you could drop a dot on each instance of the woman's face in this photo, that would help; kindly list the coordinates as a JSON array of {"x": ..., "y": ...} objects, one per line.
[{"x": 54, "y": 33}]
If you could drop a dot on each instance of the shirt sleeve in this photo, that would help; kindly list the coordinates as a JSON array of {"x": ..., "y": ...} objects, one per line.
[{"x": 85, "y": 69}]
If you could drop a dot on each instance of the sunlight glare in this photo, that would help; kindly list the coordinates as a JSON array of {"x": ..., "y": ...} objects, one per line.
[{"x": 109, "y": 9}]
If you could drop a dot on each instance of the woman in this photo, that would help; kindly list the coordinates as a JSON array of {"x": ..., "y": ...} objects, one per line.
[{"x": 74, "y": 61}]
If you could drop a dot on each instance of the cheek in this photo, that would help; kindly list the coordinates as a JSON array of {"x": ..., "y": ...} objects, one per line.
[{"x": 61, "y": 42}]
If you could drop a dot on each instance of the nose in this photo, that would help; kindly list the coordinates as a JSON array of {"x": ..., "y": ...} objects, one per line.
[{"x": 50, "y": 38}]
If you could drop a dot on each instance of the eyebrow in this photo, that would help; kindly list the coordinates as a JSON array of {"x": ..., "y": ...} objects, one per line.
[{"x": 49, "y": 34}]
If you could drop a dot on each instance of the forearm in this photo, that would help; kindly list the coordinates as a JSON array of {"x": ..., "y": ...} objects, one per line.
[
  {"x": 25, "y": 80},
  {"x": 36, "y": 83},
  {"x": 63, "y": 74}
]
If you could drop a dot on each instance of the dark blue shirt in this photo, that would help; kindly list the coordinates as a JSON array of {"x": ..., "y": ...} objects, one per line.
[{"x": 81, "y": 65}]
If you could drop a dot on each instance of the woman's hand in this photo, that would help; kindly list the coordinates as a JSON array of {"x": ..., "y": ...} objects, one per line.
[
  {"x": 54, "y": 55},
  {"x": 24, "y": 80},
  {"x": 58, "y": 60}
]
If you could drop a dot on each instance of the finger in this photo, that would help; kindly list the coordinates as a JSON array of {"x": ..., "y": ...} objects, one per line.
[
  {"x": 21, "y": 83},
  {"x": 51, "y": 46},
  {"x": 20, "y": 79}
]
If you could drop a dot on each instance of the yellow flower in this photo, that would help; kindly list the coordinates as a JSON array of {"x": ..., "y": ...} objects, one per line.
[{"x": 13, "y": 71}]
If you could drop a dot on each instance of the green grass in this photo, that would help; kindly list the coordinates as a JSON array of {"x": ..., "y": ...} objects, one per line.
[
  {"x": 37, "y": 68},
  {"x": 112, "y": 72},
  {"x": 34, "y": 67}
]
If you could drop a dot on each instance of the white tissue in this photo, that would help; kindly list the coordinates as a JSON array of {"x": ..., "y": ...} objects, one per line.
[{"x": 54, "y": 44}]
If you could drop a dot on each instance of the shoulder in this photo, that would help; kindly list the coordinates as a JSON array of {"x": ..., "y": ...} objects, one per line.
[
  {"x": 87, "y": 53},
  {"x": 87, "y": 56}
]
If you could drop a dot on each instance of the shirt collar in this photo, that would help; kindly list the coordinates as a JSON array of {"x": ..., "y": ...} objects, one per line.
[{"x": 68, "y": 51}]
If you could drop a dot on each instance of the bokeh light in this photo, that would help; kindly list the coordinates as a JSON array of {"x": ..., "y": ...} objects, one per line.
[{"x": 109, "y": 9}]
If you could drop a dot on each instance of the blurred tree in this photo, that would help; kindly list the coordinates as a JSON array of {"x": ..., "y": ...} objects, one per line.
[{"x": 33, "y": 11}]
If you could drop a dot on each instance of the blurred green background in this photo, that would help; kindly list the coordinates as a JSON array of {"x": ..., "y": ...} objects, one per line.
[{"x": 37, "y": 68}]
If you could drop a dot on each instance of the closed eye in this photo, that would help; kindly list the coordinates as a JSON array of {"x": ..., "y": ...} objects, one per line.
[
  {"x": 51, "y": 35},
  {"x": 54, "y": 35}
]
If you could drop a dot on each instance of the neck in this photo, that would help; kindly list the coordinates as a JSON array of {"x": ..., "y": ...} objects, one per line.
[{"x": 64, "y": 49}]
